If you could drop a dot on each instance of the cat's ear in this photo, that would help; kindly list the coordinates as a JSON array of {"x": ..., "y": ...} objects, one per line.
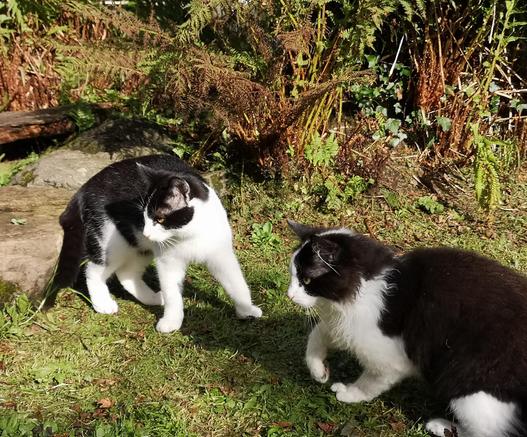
[
  {"x": 326, "y": 249},
  {"x": 178, "y": 193},
  {"x": 302, "y": 231},
  {"x": 146, "y": 172}
]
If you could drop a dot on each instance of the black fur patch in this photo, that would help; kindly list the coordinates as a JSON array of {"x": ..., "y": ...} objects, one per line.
[{"x": 334, "y": 263}]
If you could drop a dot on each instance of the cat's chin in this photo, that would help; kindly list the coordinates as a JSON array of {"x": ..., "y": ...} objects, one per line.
[
  {"x": 306, "y": 303},
  {"x": 159, "y": 239}
]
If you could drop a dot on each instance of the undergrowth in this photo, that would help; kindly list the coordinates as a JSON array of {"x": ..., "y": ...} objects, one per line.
[{"x": 361, "y": 77}]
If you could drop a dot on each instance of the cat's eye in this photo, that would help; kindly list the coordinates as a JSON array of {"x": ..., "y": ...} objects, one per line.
[
  {"x": 306, "y": 280},
  {"x": 160, "y": 220}
]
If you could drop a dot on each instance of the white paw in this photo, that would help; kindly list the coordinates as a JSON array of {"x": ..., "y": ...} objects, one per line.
[
  {"x": 438, "y": 427},
  {"x": 105, "y": 306},
  {"x": 247, "y": 312},
  {"x": 165, "y": 325},
  {"x": 349, "y": 393},
  {"x": 338, "y": 386},
  {"x": 318, "y": 370}
]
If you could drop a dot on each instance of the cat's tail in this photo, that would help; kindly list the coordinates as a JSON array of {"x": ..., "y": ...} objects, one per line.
[{"x": 71, "y": 253}]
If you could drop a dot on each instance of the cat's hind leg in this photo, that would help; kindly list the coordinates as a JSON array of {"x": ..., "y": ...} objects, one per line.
[
  {"x": 96, "y": 277},
  {"x": 130, "y": 275},
  {"x": 483, "y": 415},
  {"x": 224, "y": 266}
]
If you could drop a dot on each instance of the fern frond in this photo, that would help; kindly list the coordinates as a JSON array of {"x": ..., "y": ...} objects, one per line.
[
  {"x": 486, "y": 171},
  {"x": 202, "y": 13}
]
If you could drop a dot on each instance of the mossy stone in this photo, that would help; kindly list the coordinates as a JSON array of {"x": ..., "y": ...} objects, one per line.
[{"x": 7, "y": 291}]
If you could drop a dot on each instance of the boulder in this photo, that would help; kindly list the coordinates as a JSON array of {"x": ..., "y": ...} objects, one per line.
[
  {"x": 122, "y": 138},
  {"x": 91, "y": 151},
  {"x": 30, "y": 237},
  {"x": 63, "y": 168}
]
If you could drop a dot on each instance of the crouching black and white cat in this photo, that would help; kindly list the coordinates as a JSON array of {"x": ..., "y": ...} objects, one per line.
[
  {"x": 455, "y": 318},
  {"x": 136, "y": 210}
]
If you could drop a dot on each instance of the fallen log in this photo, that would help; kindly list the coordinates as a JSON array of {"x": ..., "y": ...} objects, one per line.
[{"x": 20, "y": 125}]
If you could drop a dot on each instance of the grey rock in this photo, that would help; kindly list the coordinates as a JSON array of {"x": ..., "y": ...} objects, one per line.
[
  {"x": 91, "y": 151},
  {"x": 123, "y": 138},
  {"x": 63, "y": 169},
  {"x": 217, "y": 179},
  {"x": 29, "y": 251}
]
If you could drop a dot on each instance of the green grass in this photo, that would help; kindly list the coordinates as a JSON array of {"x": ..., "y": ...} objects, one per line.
[{"x": 70, "y": 371}]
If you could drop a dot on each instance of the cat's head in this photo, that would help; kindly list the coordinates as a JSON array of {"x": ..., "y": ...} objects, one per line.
[
  {"x": 167, "y": 207},
  {"x": 331, "y": 263}
]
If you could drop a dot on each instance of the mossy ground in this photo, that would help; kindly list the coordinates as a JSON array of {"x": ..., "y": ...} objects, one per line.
[{"x": 70, "y": 371}]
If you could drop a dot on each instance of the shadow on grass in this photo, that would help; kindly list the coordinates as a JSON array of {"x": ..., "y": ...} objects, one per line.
[{"x": 277, "y": 343}]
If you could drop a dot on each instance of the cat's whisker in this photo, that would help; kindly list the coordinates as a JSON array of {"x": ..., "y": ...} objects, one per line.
[
  {"x": 169, "y": 243},
  {"x": 312, "y": 316},
  {"x": 325, "y": 262}
]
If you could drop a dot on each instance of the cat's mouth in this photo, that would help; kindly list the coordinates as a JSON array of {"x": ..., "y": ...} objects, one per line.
[
  {"x": 160, "y": 239},
  {"x": 300, "y": 297}
]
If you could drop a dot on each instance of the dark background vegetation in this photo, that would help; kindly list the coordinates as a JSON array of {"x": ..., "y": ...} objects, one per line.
[{"x": 322, "y": 88}]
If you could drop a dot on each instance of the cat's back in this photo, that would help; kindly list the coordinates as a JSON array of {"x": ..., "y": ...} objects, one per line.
[
  {"x": 462, "y": 284},
  {"x": 125, "y": 177},
  {"x": 463, "y": 275},
  {"x": 463, "y": 317}
]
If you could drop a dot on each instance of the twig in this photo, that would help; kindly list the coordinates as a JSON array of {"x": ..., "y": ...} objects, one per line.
[{"x": 396, "y": 57}]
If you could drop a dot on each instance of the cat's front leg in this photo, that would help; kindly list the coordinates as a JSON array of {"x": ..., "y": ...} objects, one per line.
[
  {"x": 171, "y": 274},
  {"x": 316, "y": 353},
  {"x": 96, "y": 277},
  {"x": 224, "y": 266},
  {"x": 367, "y": 387}
]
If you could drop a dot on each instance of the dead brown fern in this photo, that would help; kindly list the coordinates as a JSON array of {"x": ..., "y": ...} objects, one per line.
[{"x": 27, "y": 78}]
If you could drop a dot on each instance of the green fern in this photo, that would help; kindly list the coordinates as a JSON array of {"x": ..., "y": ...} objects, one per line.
[
  {"x": 202, "y": 13},
  {"x": 486, "y": 171},
  {"x": 321, "y": 151},
  {"x": 15, "y": 12}
]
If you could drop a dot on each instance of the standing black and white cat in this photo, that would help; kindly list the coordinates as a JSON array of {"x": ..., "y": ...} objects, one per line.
[
  {"x": 136, "y": 210},
  {"x": 455, "y": 318}
]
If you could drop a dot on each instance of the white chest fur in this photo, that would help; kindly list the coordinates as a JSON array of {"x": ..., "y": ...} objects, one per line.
[
  {"x": 354, "y": 326},
  {"x": 207, "y": 232}
]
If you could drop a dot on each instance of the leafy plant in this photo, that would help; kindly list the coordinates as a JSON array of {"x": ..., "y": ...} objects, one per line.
[
  {"x": 337, "y": 191},
  {"x": 12, "y": 170},
  {"x": 429, "y": 205},
  {"x": 51, "y": 373},
  {"x": 321, "y": 152},
  {"x": 13, "y": 424},
  {"x": 486, "y": 172},
  {"x": 262, "y": 235},
  {"x": 83, "y": 116},
  {"x": 14, "y": 316},
  {"x": 391, "y": 198}
]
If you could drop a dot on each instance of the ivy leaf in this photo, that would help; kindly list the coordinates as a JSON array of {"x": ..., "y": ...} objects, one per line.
[
  {"x": 393, "y": 125},
  {"x": 444, "y": 122}
]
